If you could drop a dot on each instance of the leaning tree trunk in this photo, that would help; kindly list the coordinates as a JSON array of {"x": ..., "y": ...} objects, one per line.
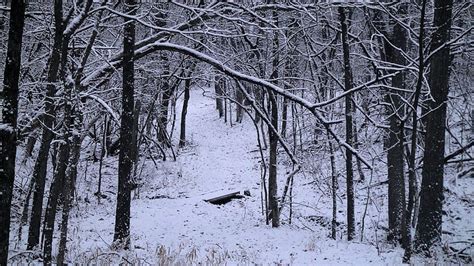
[
  {"x": 40, "y": 168},
  {"x": 122, "y": 215},
  {"x": 8, "y": 121},
  {"x": 349, "y": 125},
  {"x": 428, "y": 230}
]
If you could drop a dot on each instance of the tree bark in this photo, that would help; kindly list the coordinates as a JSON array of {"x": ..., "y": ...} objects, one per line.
[
  {"x": 30, "y": 145},
  {"x": 69, "y": 184},
  {"x": 219, "y": 87},
  {"x": 412, "y": 183},
  {"x": 428, "y": 230},
  {"x": 168, "y": 92},
  {"x": 122, "y": 215},
  {"x": 8, "y": 121},
  {"x": 40, "y": 168},
  {"x": 395, "y": 153},
  {"x": 333, "y": 189},
  {"x": 184, "y": 112},
  {"x": 273, "y": 136},
  {"x": 349, "y": 110},
  {"x": 54, "y": 192}
]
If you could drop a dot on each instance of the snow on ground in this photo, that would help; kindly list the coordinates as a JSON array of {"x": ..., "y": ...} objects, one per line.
[
  {"x": 171, "y": 211},
  {"x": 171, "y": 223}
]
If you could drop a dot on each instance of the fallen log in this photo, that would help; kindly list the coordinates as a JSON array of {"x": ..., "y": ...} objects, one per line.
[{"x": 224, "y": 198}]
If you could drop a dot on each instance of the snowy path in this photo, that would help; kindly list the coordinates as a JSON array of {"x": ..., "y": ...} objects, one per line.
[{"x": 171, "y": 211}]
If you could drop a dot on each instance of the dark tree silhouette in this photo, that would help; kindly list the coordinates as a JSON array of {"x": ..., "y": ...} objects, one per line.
[
  {"x": 40, "y": 168},
  {"x": 8, "y": 121},
  {"x": 428, "y": 230},
  {"x": 349, "y": 112},
  {"x": 126, "y": 158}
]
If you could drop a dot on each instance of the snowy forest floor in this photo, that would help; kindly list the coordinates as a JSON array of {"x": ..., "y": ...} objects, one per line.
[{"x": 172, "y": 224}]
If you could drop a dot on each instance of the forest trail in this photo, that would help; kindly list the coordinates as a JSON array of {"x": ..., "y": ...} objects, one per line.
[
  {"x": 171, "y": 211},
  {"x": 221, "y": 159}
]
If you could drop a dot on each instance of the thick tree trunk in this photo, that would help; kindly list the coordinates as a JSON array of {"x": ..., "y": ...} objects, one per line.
[
  {"x": 40, "y": 168},
  {"x": 8, "y": 121},
  {"x": 395, "y": 153},
  {"x": 122, "y": 215},
  {"x": 428, "y": 230},
  {"x": 349, "y": 110}
]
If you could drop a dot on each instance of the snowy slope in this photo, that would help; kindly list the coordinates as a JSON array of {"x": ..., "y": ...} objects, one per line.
[
  {"x": 171, "y": 212},
  {"x": 171, "y": 223}
]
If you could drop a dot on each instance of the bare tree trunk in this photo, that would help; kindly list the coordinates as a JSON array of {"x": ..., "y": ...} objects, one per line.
[
  {"x": 103, "y": 151},
  {"x": 135, "y": 144},
  {"x": 69, "y": 184},
  {"x": 284, "y": 117},
  {"x": 239, "y": 111},
  {"x": 428, "y": 230},
  {"x": 73, "y": 122},
  {"x": 8, "y": 121},
  {"x": 273, "y": 137},
  {"x": 63, "y": 151},
  {"x": 412, "y": 186},
  {"x": 184, "y": 112},
  {"x": 168, "y": 92},
  {"x": 30, "y": 145},
  {"x": 40, "y": 168},
  {"x": 272, "y": 171},
  {"x": 218, "y": 86},
  {"x": 356, "y": 146},
  {"x": 122, "y": 215},
  {"x": 289, "y": 71},
  {"x": 54, "y": 192},
  {"x": 395, "y": 153},
  {"x": 349, "y": 111},
  {"x": 225, "y": 108},
  {"x": 333, "y": 190}
]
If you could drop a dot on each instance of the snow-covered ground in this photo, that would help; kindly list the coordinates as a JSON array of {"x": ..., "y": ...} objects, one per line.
[{"x": 172, "y": 224}]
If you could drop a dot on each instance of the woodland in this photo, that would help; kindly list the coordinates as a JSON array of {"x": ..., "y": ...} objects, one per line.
[{"x": 236, "y": 132}]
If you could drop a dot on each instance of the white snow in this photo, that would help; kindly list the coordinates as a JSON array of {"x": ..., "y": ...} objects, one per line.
[
  {"x": 171, "y": 223},
  {"x": 219, "y": 160}
]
